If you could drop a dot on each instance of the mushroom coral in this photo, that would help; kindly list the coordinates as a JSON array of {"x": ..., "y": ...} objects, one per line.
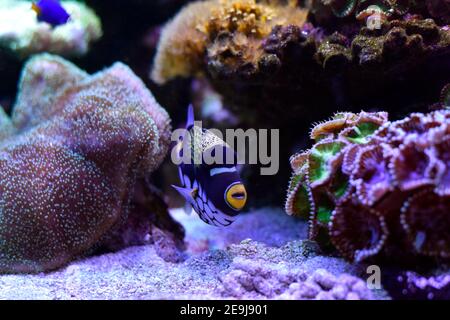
[{"x": 72, "y": 158}]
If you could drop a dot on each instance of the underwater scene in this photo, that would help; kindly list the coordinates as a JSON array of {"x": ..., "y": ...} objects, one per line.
[{"x": 225, "y": 150}]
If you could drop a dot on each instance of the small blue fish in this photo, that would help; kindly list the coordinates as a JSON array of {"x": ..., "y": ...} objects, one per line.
[
  {"x": 214, "y": 191},
  {"x": 50, "y": 11}
]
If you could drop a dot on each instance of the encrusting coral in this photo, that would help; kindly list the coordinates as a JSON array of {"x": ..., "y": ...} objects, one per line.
[
  {"x": 73, "y": 162},
  {"x": 375, "y": 186}
]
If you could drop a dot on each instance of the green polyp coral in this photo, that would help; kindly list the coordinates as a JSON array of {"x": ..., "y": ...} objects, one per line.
[
  {"x": 340, "y": 185},
  {"x": 325, "y": 207},
  {"x": 360, "y": 133},
  {"x": 299, "y": 192},
  {"x": 22, "y": 34},
  {"x": 318, "y": 183},
  {"x": 386, "y": 190},
  {"x": 321, "y": 159}
]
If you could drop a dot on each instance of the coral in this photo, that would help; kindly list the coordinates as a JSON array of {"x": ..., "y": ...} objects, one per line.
[
  {"x": 376, "y": 186},
  {"x": 357, "y": 8},
  {"x": 22, "y": 34},
  {"x": 69, "y": 169},
  {"x": 322, "y": 285},
  {"x": 298, "y": 62},
  {"x": 389, "y": 9},
  {"x": 400, "y": 39},
  {"x": 228, "y": 32},
  {"x": 260, "y": 279},
  {"x": 410, "y": 285}
]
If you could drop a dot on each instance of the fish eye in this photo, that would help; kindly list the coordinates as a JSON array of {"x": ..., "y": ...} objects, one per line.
[{"x": 236, "y": 196}]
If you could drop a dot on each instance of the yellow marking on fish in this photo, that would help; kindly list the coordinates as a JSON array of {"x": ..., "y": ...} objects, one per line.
[{"x": 236, "y": 196}]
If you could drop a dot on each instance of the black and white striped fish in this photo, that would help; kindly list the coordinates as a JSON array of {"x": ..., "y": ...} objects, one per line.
[{"x": 215, "y": 191}]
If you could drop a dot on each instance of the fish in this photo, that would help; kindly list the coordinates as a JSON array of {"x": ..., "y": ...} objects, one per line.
[
  {"x": 215, "y": 191},
  {"x": 50, "y": 11}
]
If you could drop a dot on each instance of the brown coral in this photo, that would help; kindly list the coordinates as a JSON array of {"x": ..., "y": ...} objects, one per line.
[
  {"x": 375, "y": 186},
  {"x": 228, "y": 32},
  {"x": 68, "y": 173}
]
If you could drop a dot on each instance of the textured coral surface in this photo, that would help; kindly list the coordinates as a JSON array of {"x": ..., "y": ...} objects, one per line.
[
  {"x": 70, "y": 159},
  {"x": 410, "y": 285},
  {"x": 262, "y": 279},
  {"x": 307, "y": 58},
  {"x": 304, "y": 66},
  {"x": 375, "y": 186},
  {"x": 227, "y": 32},
  {"x": 363, "y": 9}
]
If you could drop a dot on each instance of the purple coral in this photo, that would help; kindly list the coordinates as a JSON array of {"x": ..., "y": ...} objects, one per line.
[
  {"x": 69, "y": 168},
  {"x": 391, "y": 188}
]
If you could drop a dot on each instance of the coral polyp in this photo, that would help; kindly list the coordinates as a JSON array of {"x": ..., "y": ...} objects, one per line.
[
  {"x": 410, "y": 285},
  {"x": 376, "y": 186},
  {"x": 69, "y": 166}
]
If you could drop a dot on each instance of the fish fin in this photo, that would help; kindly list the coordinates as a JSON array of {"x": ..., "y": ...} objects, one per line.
[
  {"x": 190, "y": 117},
  {"x": 187, "y": 193}
]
